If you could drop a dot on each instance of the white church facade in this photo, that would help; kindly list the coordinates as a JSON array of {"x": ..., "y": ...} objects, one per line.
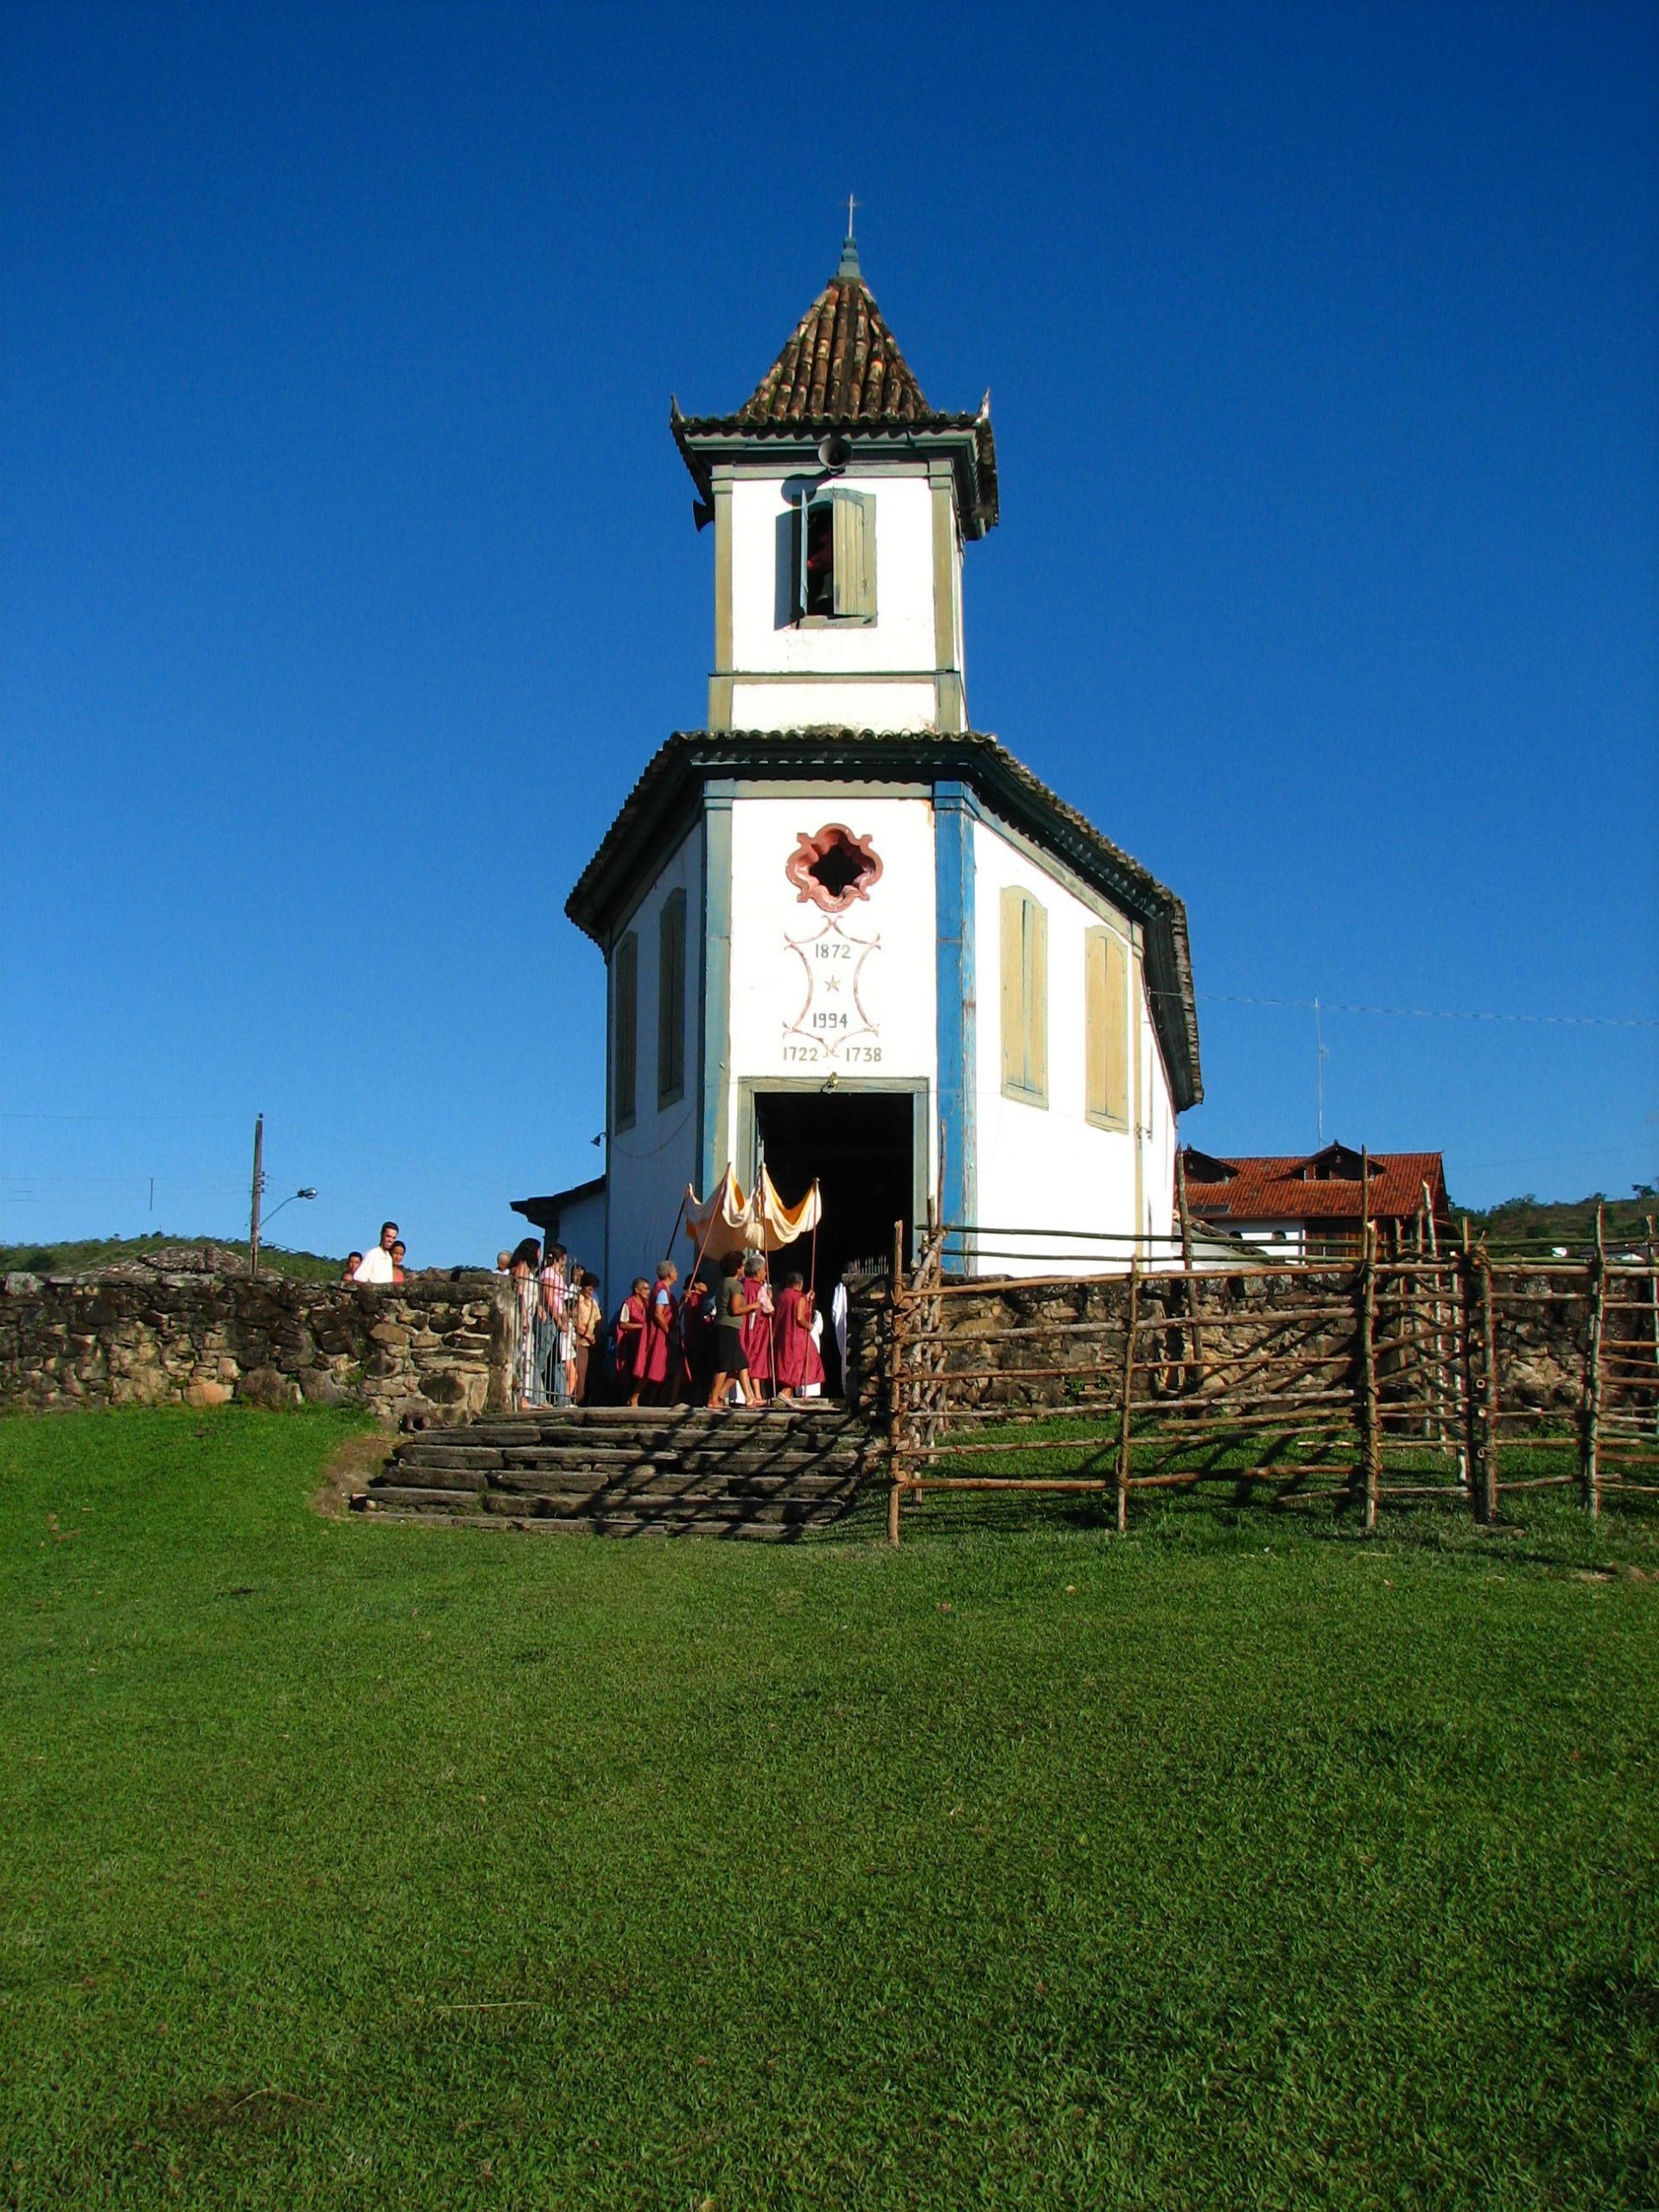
[{"x": 843, "y": 932}]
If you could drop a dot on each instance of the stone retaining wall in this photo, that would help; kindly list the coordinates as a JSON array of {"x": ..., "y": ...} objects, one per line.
[{"x": 420, "y": 1354}]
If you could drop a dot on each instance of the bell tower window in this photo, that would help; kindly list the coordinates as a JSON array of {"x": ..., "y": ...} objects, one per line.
[{"x": 834, "y": 555}]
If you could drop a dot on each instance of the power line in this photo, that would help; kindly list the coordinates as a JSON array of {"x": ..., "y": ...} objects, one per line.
[
  {"x": 1429, "y": 1014},
  {"x": 7, "y": 1115}
]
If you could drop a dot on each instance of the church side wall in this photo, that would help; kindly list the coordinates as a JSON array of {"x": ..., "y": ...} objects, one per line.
[
  {"x": 1049, "y": 1167},
  {"x": 814, "y": 995},
  {"x": 648, "y": 1166},
  {"x": 765, "y": 638}
]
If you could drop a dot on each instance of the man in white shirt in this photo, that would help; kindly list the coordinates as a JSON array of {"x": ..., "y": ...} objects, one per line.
[{"x": 376, "y": 1266}]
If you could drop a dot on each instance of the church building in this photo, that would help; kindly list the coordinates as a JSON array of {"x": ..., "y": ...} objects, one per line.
[{"x": 845, "y": 932}]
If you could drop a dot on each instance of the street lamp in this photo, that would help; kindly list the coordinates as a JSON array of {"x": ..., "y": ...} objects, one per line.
[{"x": 253, "y": 1256}]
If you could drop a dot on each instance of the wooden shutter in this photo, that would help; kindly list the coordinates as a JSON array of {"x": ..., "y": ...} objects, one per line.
[
  {"x": 1037, "y": 999},
  {"x": 1106, "y": 1038},
  {"x": 854, "y": 553},
  {"x": 670, "y": 1000},
  {"x": 625, "y": 1018},
  {"x": 1025, "y": 995}
]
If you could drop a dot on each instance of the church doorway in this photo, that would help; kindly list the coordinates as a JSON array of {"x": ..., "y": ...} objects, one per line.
[{"x": 863, "y": 1147}]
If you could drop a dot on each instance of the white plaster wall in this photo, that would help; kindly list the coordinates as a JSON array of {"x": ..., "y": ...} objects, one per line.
[
  {"x": 1161, "y": 1137},
  {"x": 890, "y": 949},
  {"x": 648, "y": 1166},
  {"x": 901, "y": 637},
  {"x": 835, "y": 704},
  {"x": 1050, "y": 1167},
  {"x": 583, "y": 1232}
]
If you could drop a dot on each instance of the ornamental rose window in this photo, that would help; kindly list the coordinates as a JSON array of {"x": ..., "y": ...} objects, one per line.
[{"x": 832, "y": 869}]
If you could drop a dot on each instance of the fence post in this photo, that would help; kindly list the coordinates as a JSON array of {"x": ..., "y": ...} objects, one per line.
[
  {"x": 1479, "y": 1325},
  {"x": 1370, "y": 1428},
  {"x": 1590, "y": 1437},
  {"x": 895, "y": 1385},
  {"x": 1127, "y": 1409}
]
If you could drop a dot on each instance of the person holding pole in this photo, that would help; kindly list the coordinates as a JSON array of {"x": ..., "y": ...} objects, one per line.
[{"x": 731, "y": 1361}]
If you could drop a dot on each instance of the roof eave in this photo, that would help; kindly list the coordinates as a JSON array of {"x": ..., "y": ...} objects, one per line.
[
  {"x": 661, "y": 807},
  {"x": 706, "y": 441}
]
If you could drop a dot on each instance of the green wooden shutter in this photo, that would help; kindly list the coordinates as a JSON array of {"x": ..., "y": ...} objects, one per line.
[
  {"x": 1037, "y": 999},
  {"x": 1117, "y": 1031},
  {"x": 1014, "y": 1024},
  {"x": 854, "y": 553},
  {"x": 1025, "y": 995},
  {"x": 625, "y": 1018},
  {"x": 1094, "y": 1025},
  {"x": 671, "y": 1001},
  {"x": 1106, "y": 1038}
]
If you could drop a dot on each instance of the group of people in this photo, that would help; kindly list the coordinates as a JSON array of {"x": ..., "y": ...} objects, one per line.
[
  {"x": 383, "y": 1264},
  {"x": 740, "y": 1342},
  {"x": 558, "y": 1322}
]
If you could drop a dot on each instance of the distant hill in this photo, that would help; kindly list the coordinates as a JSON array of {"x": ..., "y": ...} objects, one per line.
[
  {"x": 1571, "y": 1222},
  {"x": 92, "y": 1253}
]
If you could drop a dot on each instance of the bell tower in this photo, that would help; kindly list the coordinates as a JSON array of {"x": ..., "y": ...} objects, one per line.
[{"x": 841, "y": 504}]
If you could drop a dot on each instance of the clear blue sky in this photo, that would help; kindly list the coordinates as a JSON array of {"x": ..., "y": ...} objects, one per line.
[{"x": 350, "y": 576}]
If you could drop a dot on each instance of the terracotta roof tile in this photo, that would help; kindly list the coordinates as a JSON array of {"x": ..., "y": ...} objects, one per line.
[
  {"x": 840, "y": 364},
  {"x": 840, "y": 368},
  {"x": 1280, "y": 1187}
]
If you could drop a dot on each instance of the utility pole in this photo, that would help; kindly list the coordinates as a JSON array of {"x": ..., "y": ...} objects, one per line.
[{"x": 258, "y": 1187}]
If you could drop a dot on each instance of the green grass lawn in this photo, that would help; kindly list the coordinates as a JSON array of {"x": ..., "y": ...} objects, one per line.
[{"x": 1242, "y": 1863}]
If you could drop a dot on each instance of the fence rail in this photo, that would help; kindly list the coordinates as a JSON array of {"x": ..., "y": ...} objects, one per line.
[{"x": 1459, "y": 1376}]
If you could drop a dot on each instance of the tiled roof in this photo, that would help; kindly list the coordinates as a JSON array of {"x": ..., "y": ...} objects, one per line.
[
  {"x": 1312, "y": 1186},
  {"x": 662, "y": 806},
  {"x": 840, "y": 368},
  {"x": 841, "y": 363}
]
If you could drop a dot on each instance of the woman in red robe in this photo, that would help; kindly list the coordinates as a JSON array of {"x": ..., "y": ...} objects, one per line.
[
  {"x": 629, "y": 1337},
  {"x": 656, "y": 1357},
  {"x": 798, "y": 1363},
  {"x": 757, "y": 1330}
]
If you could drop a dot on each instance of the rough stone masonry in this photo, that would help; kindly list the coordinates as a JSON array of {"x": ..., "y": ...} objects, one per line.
[{"x": 420, "y": 1354}]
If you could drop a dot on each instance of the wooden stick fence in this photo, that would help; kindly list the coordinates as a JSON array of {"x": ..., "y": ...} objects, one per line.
[{"x": 1435, "y": 1374}]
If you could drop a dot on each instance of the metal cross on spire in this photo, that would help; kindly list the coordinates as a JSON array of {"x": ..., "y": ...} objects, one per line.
[{"x": 849, "y": 245}]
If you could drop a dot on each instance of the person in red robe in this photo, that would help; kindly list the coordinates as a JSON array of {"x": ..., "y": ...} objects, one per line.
[
  {"x": 629, "y": 1336},
  {"x": 657, "y": 1358},
  {"x": 758, "y": 1329},
  {"x": 798, "y": 1363}
]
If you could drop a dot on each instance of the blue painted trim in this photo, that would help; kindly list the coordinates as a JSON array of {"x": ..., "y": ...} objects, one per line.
[
  {"x": 714, "y": 985},
  {"x": 956, "y": 809}
]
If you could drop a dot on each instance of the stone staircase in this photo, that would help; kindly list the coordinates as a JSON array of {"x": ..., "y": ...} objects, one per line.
[{"x": 620, "y": 1471}]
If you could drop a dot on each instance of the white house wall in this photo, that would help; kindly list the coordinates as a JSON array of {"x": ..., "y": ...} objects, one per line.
[
  {"x": 648, "y": 1166},
  {"x": 796, "y": 971},
  {"x": 1050, "y": 1167}
]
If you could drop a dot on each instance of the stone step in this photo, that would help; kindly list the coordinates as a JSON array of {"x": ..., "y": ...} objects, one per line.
[
  {"x": 632, "y": 1471},
  {"x": 459, "y": 1458},
  {"x": 665, "y": 1481},
  {"x": 772, "y": 1532},
  {"x": 715, "y": 1434}
]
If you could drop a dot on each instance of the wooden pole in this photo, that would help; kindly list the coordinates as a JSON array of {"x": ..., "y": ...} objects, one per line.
[
  {"x": 1482, "y": 1328},
  {"x": 1127, "y": 1412},
  {"x": 1196, "y": 1370},
  {"x": 1589, "y": 1452},
  {"x": 259, "y": 1192},
  {"x": 1370, "y": 1428},
  {"x": 895, "y": 1386}
]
